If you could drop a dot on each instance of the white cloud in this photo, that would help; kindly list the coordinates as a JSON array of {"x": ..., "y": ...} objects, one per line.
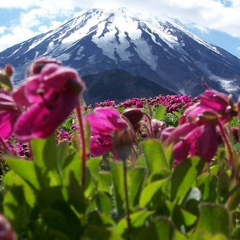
[
  {"x": 2, "y": 30},
  {"x": 17, "y": 4},
  {"x": 208, "y": 14},
  {"x": 221, "y": 15}
]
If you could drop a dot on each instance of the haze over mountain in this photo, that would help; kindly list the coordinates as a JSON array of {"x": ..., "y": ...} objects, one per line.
[{"x": 157, "y": 49}]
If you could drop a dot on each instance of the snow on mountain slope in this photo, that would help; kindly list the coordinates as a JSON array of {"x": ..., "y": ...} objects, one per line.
[{"x": 159, "y": 49}]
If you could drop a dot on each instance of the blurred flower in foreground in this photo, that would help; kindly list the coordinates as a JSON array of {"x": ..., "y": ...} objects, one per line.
[
  {"x": 215, "y": 102},
  {"x": 104, "y": 122},
  {"x": 200, "y": 126},
  {"x": 38, "y": 65},
  {"x": 191, "y": 139},
  {"x": 9, "y": 113},
  {"x": 6, "y": 232},
  {"x": 42, "y": 103},
  {"x": 48, "y": 97}
]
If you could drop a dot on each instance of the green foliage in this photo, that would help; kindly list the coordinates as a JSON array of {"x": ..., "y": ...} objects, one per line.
[{"x": 44, "y": 197}]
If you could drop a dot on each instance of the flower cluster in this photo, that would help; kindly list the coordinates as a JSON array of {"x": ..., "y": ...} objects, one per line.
[
  {"x": 201, "y": 127},
  {"x": 173, "y": 103},
  {"x": 35, "y": 109}
]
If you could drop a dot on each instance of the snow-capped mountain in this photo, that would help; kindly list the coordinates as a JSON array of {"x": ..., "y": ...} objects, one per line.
[{"x": 159, "y": 49}]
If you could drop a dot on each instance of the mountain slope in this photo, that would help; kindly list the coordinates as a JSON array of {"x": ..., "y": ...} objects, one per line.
[
  {"x": 158, "y": 49},
  {"x": 120, "y": 85}
]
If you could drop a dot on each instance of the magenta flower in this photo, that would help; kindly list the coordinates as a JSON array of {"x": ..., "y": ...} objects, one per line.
[
  {"x": 104, "y": 122},
  {"x": 48, "y": 97},
  {"x": 202, "y": 127},
  {"x": 192, "y": 139},
  {"x": 215, "y": 103},
  {"x": 157, "y": 127},
  {"x": 38, "y": 65},
  {"x": 6, "y": 231},
  {"x": 9, "y": 113}
]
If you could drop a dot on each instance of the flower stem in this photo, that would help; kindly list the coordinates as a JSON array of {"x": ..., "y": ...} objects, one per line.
[
  {"x": 232, "y": 165},
  {"x": 82, "y": 137},
  {"x": 127, "y": 200},
  {"x": 228, "y": 145},
  {"x": 150, "y": 124}
]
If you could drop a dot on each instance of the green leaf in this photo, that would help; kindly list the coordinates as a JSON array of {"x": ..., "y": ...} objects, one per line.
[
  {"x": 169, "y": 155},
  {"x": 56, "y": 220},
  {"x": 183, "y": 178},
  {"x": 150, "y": 190},
  {"x": 93, "y": 169},
  {"x": 100, "y": 233},
  {"x": 16, "y": 208},
  {"x": 26, "y": 170},
  {"x": 206, "y": 236},
  {"x": 48, "y": 196},
  {"x": 177, "y": 114},
  {"x": 94, "y": 165},
  {"x": 181, "y": 217},
  {"x": 161, "y": 112},
  {"x": 58, "y": 212},
  {"x": 45, "y": 153},
  {"x": 96, "y": 218},
  {"x": 137, "y": 178},
  {"x": 5, "y": 82},
  {"x": 214, "y": 219},
  {"x": 104, "y": 203},
  {"x": 223, "y": 184},
  {"x": 159, "y": 175},
  {"x": 118, "y": 184},
  {"x": 104, "y": 182},
  {"x": 161, "y": 228},
  {"x": 63, "y": 152},
  {"x": 207, "y": 183},
  {"x": 76, "y": 195},
  {"x": 11, "y": 178},
  {"x": 155, "y": 156},
  {"x": 138, "y": 220},
  {"x": 73, "y": 165}
]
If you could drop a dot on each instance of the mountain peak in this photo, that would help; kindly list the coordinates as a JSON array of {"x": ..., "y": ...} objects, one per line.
[{"x": 156, "y": 48}]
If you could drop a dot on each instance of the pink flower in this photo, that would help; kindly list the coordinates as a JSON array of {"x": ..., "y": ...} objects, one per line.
[
  {"x": 202, "y": 127},
  {"x": 216, "y": 103},
  {"x": 48, "y": 97},
  {"x": 38, "y": 65},
  {"x": 193, "y": 139},
  {"x": 9, "y": 113},
  {"x": 104, "y": 122},
  {"x": 157, "y": 127},
  {"x": 6, "y": 231}
]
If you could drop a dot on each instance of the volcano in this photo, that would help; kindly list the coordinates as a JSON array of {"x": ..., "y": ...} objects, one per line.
[{"x": 110, "y": 48}]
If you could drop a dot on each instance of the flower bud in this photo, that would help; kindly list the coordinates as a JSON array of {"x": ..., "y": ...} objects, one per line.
[
  {"x": 133, "y": 115},
  {"x": 157, "y": 127},
  {"x": 122, "y": 142},
  {"x": 9, "y": 70},
  {"x": 38, "y": 65},
  {"x": 235, "y": 134}
]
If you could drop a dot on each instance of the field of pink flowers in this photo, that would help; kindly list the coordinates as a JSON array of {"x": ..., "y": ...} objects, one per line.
[{"x": 160, "y": 168}]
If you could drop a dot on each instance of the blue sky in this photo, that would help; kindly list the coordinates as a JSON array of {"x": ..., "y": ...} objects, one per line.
[{"x": 216, "y": 21}]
